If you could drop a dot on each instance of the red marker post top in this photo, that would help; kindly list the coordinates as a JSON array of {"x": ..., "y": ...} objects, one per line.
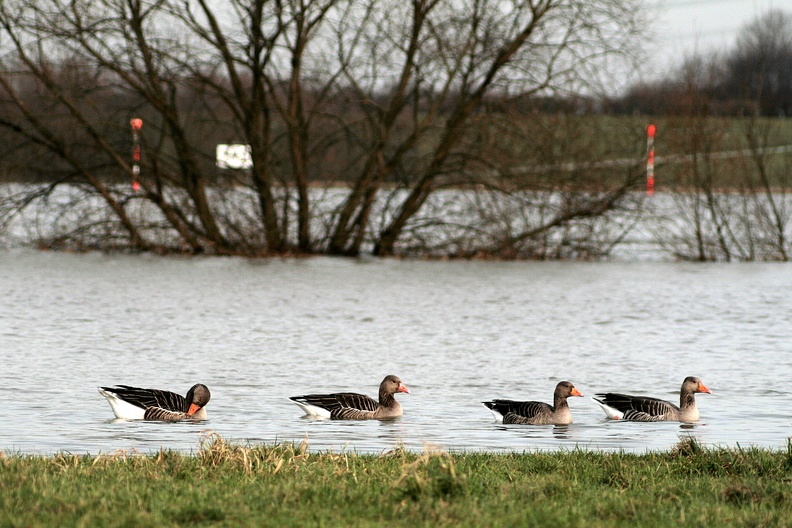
[
  {"x": 650, "y": 131},
  {"x": 136, "y": 123}
]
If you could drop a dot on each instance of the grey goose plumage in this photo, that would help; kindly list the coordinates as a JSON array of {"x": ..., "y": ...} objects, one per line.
[
  {"x": 535, "y": 412},
  {"x": 619, "y": 406},
  {"x": 354, "y": 406},
  {"x": 135, "y": 403}
]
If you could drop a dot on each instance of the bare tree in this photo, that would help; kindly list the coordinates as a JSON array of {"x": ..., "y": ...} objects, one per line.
[
  {"x": 384, "y": 97},
  {"x": 728, "y": 187},
  {"x": 453, "y": 56},
  {"x": 766, "y": 187},
  {"x": 760, "y": 66}
]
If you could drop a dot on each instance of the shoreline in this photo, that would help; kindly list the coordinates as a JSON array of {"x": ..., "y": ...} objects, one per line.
[{"x": 225, "y": 484}]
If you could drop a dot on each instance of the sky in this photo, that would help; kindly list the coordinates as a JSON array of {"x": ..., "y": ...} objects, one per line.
[{"x": 685, "y": 27}]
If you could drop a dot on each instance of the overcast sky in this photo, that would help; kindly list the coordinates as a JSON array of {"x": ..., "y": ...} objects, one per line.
[{"x": 682, "y": 27}]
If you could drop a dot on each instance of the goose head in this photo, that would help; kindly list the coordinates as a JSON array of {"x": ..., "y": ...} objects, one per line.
[
  {"x": 565, "y": 389},
  {"x": 392, "y": 384},
  {"x": 197, "y": 397},
  {"x": 694, "y": 385}
]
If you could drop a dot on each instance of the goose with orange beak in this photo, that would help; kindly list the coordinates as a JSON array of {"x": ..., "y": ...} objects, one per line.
[
  {"x": 354, "y": 406},
  {"x": 534, "y": 412},
  {"x": 644, "y": 409},
  {"x": 134, "y": 403}
]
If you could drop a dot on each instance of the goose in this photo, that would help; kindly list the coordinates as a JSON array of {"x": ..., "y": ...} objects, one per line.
[
  {"x": 353, "y": 406},
  {"x": 644, "y": 409},
  {"x": 534, "y": 412},
  {"x": 134, "y": 403}
]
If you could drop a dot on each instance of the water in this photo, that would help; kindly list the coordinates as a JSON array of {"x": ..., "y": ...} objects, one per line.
[{"x": 457, "y": 333}]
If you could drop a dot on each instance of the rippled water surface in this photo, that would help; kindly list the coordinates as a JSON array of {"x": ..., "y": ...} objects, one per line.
[{"x": 457, "y": 333}]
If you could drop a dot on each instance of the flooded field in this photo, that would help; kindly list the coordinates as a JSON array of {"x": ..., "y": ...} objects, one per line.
[{"x": 457, "y": 333}]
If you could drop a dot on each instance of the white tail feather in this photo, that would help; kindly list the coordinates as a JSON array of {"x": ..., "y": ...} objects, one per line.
[
  {"x": 313, "y": 410},
  {"x": 613, "y": 414},
  {"x": 122, "y": 409},
  {"x": 498, "y": 416}
]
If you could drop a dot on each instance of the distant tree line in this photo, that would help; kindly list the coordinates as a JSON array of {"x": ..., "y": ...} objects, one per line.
[{"x": 754, "y": 77}]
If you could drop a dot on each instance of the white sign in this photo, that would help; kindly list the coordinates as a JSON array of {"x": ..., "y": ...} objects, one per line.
[{"x": 234, "y": 157}]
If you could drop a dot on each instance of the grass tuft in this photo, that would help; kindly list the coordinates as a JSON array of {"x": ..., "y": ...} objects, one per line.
[
  {"x": 687, "y": 447},
  {"x": 432, "y": 475}
]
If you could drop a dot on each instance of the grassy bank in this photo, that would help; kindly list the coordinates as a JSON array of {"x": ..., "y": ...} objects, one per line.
[{"x": 228, "y": 485}]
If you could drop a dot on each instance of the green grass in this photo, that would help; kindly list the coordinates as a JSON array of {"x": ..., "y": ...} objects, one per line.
[{"x": 231, "y": 485}]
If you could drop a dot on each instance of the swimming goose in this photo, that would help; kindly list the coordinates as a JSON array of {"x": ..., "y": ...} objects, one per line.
[
  {"x": 133, "y": 403},
  {"x": 534, "y": 412},
  {"x": 644, "y": 409},
  {"x": 353, "y": 406}
]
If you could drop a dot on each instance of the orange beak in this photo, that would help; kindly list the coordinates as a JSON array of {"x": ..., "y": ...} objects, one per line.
[
  {"x": 402, "y": 388},
  {"x": 193, "y": 409},
  {"x": 575, "y": 392},
  {"x": 703, "y": 388}
]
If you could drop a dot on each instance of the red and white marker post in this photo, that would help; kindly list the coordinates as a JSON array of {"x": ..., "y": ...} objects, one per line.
[
  {"x": 650, "y": 134},
  {"x": 137, "y": 124}
]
